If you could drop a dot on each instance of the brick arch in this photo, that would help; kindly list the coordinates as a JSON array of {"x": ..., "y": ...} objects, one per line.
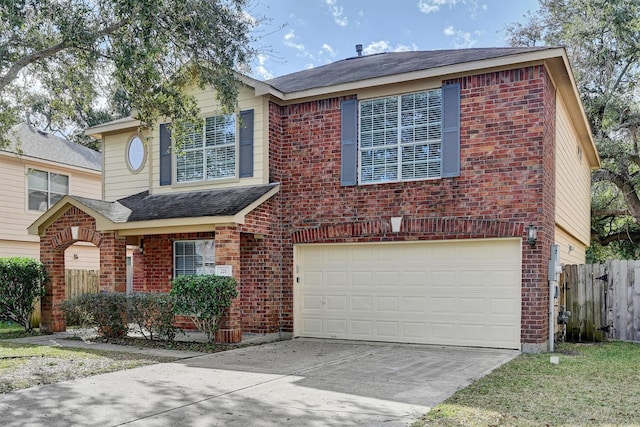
[
  {"x": 55, "y": 239},
  {"x": 64, "y": 239},
  {"x": 424, "y": 228}
]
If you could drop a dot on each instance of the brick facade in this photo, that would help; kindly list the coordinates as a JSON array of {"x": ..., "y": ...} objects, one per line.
[{"x": 506, "y": 182}]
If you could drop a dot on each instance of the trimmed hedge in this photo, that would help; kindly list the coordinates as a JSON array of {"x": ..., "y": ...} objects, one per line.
[
  {"x": 152, "y": 314},
  {"x": 203, "y": 299},
  {"x": 106, "y": 310}
]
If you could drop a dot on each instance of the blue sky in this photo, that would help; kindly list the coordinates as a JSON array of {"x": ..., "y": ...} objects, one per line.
[{"x": 307, "y": 33}]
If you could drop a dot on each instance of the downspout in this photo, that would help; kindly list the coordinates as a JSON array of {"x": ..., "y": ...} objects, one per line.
[
  {"x": 554, "y": 275},
  {"x": 552, "y": 288}
]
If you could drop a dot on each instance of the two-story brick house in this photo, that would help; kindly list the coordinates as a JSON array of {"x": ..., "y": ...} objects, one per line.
[{"x": 384, "y": 197}]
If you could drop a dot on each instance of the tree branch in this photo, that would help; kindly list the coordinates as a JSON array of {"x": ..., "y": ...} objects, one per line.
[
  {"x": 610, "y": 212},
  {"x": 12, "y": 73},
  {"x": 633, "y": 236}
]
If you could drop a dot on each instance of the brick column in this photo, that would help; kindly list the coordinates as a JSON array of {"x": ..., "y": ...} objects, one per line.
[
  {"x": 52, "y": 319},
  {"x": 113, "y": 263},
  {"x": 227, "y": 246}
]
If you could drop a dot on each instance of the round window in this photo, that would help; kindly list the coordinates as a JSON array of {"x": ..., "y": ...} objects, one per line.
[{"x": 136, "y": 153}]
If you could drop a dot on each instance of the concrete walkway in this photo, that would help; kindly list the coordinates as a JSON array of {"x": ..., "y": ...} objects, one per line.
[{"x": 296, "y": 382}]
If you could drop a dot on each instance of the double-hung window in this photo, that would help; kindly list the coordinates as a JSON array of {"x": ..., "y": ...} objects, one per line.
[
  {"x": 194, "y": 257},
  {"x": 208, "y": 153},
  {"x": 44, "y": 189},
  {"x": 400, "y": 137}
]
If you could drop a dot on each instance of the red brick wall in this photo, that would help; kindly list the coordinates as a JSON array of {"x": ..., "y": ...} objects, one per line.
[
  {"x": 58, "y": 237},
  {"x": 261, "y": 269},
  {"x": 507, "y": 138}
]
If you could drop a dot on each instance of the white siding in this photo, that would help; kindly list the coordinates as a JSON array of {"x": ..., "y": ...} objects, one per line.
[
  {"x": 82, "y": 256},
  {"x": 119, "y": 180},
  {"x": 17, "y": 248},
  {"x": 573, "y": 181},
  {"x": 13, "y": 195}
]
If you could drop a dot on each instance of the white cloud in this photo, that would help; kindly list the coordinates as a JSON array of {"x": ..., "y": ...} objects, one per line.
[
  {"x": 289, "y": 41},
  {"x": 384, "y": 46},
  {"x": 462, "y": 39},
  {"x": 328, "y": 49},
  {"x": 432, "y": 6},
  {"x": 338, "y": 13},
  {"x": 261, "y": 69}
]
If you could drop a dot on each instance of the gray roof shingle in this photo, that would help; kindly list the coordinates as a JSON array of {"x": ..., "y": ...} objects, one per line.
[
  {"x": 386, "y": 64},
  {"x": 34, "y": 143},
  {"x": 147, "y": 207}
]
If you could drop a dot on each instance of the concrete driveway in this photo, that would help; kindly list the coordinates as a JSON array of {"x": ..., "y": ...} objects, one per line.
[{"x": 297, "y": 382}]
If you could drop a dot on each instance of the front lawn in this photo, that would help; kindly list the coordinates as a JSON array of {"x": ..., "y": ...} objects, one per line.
[
  {"x": 594, "y": 384},
  {"x": 9, "y": 330},
  {"x": 27, "y": 365}
]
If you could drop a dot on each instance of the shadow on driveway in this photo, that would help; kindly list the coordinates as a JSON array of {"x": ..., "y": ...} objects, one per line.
[{"x": 297, "y": 382}]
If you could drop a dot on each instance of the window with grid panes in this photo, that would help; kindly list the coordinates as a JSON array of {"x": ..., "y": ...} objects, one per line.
[
  {"x": 208, "y": 153},
  {"x": 400, "y": 137},
  {"x": 194, "y": 257},
  {"x": 44, "y": 189}
]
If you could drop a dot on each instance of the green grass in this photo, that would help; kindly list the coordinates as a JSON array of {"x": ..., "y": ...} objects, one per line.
[
  {"x": 594, "y": 385},
  {"x": 9, "y": 330}
]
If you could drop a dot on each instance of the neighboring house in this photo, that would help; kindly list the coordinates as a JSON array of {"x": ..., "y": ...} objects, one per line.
[
  {"x": 38, "y": 169},
  {"x": 383, "y": 197}
]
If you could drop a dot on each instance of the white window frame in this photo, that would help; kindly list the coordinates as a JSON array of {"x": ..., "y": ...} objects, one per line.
[
  {"x": 197, "y": 143},
  {"x": 426, "y": 135},
  {"x": 205, "y": 249},
  {"x": 48, "y": 191}
]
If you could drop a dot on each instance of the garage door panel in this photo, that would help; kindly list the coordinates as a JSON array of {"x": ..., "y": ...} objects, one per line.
[
  {"x": 337, "y": 328},
  {"x": 313, "y": 302},
  {"x": 336, "y": 302},
  {"x": 362, "y": 328},
  {"x": 410, "y": 279},
  {"x": 388, "y": 303},
  {"x": 313, "y": 326},
  {"x": 362, "y": 303},
  {"x": 387, "y": 330},
  {"x": 450, "y": 293},
  {"x": 414, "y": 304},
  {"x": 361, "y": 278}
]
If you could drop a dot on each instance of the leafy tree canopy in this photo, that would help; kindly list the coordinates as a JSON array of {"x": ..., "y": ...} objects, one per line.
[
  {"x": 602, "y": 39},
  {"x": 83, "y": 62}
]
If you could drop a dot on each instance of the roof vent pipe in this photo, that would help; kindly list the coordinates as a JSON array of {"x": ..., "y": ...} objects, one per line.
[{"x": 359, "y": 49}]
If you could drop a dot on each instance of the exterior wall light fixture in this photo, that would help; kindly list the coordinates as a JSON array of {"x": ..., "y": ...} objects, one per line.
[{"x": 532, "y": 235}]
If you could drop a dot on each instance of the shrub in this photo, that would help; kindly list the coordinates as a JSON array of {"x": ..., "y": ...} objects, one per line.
[
  {"x": 21, "y": 283},
  {"x": 105, "y": 310},
  {"x": 152, "y": 313},
  {"x": 203, "y": 299}
]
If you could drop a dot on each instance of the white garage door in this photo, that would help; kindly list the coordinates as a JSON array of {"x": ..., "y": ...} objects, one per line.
[{"x": 449, "y": 292}]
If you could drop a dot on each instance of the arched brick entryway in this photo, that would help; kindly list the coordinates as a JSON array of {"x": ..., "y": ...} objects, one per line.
[{"x": 73, "y": 226}]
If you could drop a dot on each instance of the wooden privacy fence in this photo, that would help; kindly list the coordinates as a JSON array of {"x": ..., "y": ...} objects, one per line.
[
  {"x": 76, "y": 282},
  {"x": 604, "y": 301},
  {"x": 81, "y": 282}
]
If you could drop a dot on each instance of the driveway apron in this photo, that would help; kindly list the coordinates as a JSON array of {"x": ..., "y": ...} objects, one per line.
[{"x": 297, "y": 382}]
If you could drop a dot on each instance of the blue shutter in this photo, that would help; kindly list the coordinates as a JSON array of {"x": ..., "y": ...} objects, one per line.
[
  {"x": 451, "y": 130},
  {"x": 349, "y": 147},
  {"x": 246, "y": 144},
  {"x": 165, "y": 154}
]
